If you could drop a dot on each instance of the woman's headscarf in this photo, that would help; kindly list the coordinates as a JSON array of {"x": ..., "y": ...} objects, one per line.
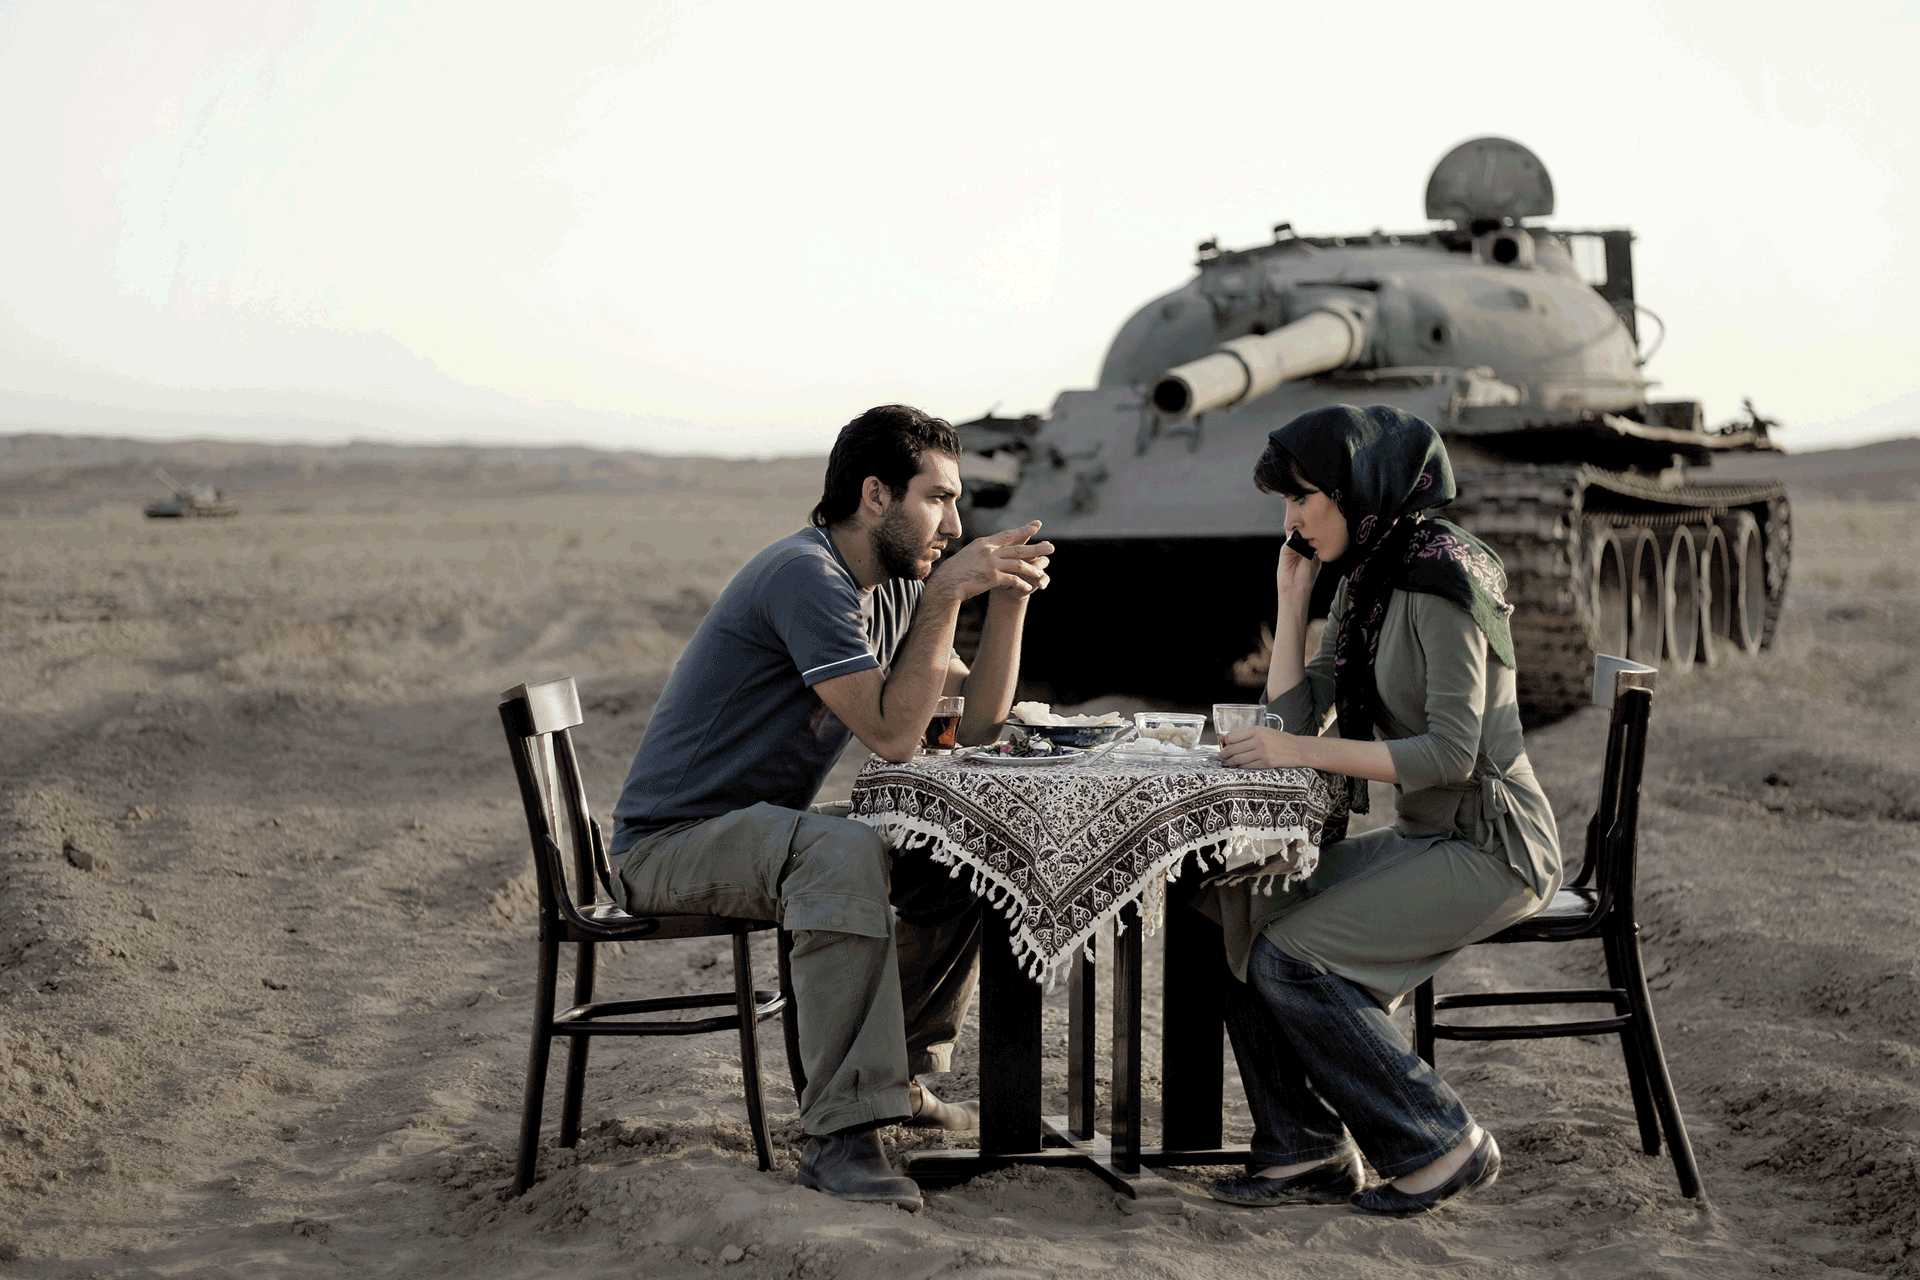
[{"x": 1384, "y": 468}]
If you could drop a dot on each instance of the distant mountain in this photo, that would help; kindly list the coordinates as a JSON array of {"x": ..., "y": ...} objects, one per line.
[
  {"x": 46, "y": 474},
  {"x": 1886, "y": 471}
]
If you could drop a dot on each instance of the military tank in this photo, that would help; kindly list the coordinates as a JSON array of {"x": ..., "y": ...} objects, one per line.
[
  {"x": 189, "y": 500},
  {"x": 1521, "y": 343}
]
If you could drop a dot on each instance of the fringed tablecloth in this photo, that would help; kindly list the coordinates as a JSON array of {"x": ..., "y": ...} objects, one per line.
[{"x": 1062, "y": 847}]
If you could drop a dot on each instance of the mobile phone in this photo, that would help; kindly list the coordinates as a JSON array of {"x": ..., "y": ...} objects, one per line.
[{"x": 1299, "y": 545}]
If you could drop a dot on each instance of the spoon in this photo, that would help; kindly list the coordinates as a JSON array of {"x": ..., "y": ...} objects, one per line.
[{"x": 1127, "y": 734}]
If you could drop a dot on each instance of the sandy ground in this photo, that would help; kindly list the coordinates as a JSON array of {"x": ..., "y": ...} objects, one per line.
[{"x": 265, "y": 931}]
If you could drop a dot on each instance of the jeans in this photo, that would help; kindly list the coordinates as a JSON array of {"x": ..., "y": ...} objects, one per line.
[{"x": 1319, "y": 1058}]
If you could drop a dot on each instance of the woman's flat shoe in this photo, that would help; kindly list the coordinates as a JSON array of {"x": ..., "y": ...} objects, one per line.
[
  {"x": 1480, "y": 1170},
  {"x": 1331, "y": 1183}
]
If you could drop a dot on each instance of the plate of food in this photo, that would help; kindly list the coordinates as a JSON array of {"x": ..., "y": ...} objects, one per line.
[
  {"x": 992, "y": 755},
  {"x": 1025, "y": 747}
]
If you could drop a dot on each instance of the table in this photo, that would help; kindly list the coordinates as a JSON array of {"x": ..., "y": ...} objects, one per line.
[{"x": 1059, "y": 850}]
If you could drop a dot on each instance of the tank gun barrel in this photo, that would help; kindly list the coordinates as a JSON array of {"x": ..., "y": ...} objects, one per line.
[{"x": 1243, "y": 369}]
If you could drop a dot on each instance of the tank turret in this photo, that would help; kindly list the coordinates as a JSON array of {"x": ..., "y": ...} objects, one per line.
[
  {"x": 1521, "y": 343},
  {"x": 189, "y": 500}
]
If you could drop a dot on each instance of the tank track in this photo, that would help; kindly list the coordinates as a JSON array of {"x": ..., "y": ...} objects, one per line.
[{"x": 1543, "y": 521}]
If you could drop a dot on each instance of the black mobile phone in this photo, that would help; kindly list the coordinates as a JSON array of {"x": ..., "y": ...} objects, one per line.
[{"x": 1299, "y": 545}]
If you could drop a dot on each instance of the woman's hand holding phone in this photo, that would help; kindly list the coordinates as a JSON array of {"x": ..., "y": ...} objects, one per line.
[{"x": 1297, "y": 569}]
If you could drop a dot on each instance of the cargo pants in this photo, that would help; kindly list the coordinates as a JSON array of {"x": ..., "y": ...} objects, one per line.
[{"x": 886, "y": 946}]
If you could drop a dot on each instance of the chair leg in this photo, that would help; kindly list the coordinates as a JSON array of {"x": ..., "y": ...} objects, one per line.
[
  {"x": 577, "y": 1047},
  {"x": 537, "y": 1051},
  {"x": 1655, "y": 1059},
  {"x": 1423, "y": 1021},
  {"x": 790, "y": 1018},
  {"x": 1617, "y": 947},
  {"x": 750, "y": 1049}
]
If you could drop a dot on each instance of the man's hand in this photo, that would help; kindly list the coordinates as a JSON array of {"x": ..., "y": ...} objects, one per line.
[{"x": 1004, "y": 561}]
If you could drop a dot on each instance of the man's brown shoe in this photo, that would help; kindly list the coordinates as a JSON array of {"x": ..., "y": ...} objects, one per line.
[
  {"x": 931, "y": 1113},
  {"x": 854, "y": 1166}
]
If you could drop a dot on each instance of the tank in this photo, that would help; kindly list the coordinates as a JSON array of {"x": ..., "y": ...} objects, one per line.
[
  {"x": 1520, "y": 342},
  {"x": 189, "y": 499}
]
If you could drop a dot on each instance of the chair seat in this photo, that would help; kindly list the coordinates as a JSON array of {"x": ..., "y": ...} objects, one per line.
[
  {"x": 669, "y": 924},
  {"x": 1570, "y": 904},
  {"x": 1570, "y": 915}
]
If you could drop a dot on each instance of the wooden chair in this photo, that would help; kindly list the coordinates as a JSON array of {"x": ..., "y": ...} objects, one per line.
[
  {"x": 1598, "y": 903},
  {"x": 538, "y": 719}
]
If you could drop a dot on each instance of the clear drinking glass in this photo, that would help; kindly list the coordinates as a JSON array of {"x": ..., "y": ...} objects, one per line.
[
  {"x": 1236, "y": 717},
  {"x": 945, "y": 725}
]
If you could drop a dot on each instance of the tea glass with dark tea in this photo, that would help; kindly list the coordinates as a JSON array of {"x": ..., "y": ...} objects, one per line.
[{"x": 944, "y": 728}]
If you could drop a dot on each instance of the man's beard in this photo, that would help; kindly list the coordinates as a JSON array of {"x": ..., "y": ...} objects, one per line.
[{"x": 894, "y": 544}]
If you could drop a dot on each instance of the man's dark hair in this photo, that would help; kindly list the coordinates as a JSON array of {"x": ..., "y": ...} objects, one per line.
[
  {"x": 888, "y": 442},
  {"x": 1278, "y": 471}
]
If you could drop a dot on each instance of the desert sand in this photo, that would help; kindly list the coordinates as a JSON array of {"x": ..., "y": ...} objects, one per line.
[{"x": 266, "y": 915}]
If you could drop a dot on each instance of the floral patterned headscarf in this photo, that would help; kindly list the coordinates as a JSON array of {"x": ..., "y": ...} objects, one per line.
[{"x": 1384, "y": 468}]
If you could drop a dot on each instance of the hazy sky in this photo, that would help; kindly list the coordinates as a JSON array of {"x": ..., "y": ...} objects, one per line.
[{"x": 728, "y": 226}]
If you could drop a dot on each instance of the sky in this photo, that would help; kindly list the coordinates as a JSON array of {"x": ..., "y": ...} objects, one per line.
[{"x": 727, "y": 227}]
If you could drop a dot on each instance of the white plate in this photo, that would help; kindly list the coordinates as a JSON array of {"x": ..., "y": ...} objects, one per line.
[
  {"x": 987, "y": 758},
  {"x": 1132, "y": 752}
]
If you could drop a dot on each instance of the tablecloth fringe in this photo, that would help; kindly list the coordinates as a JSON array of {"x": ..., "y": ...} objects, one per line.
[{"x": 908, "y": 832}]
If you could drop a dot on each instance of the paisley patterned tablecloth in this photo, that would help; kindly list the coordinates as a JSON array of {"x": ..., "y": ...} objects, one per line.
[{"x": 1062, "y": 847}]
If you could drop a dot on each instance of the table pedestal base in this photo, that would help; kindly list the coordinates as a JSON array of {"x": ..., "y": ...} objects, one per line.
[
  {"x": 1012, "y": 1129},
  {"x": 1142, "y": 1189}
]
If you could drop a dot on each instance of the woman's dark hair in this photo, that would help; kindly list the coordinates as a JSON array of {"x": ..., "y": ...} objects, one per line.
[
  {"x": 887, "y": 442},
  {"x": 1278, "y": 471}
]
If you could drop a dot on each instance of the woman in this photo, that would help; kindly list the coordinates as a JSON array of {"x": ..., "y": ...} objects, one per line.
[{"x": 1417, "y": 662}]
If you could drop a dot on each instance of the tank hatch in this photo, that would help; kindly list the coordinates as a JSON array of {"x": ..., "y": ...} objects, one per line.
[{"x": 1489, "y": 180}]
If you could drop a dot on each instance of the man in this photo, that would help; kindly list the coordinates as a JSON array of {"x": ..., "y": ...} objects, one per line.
[{"x": 837, "y": 631}]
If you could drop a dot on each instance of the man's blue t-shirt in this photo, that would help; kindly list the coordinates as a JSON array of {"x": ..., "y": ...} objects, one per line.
[{"x": 738, "y": 722}]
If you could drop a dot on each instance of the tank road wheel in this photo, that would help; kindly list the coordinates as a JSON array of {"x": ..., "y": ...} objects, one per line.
[
  {"x": 1681, "y": 609},
  {"x": 1748, "y": 562},
  {"x": 1609, "y": 598},
  {"x": 1776, "y": 533},
  {"x": 1716, "y": 594},
  {"x": 1646, "y": 625}
]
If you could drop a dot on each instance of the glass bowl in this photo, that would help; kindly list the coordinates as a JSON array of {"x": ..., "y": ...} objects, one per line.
[{"x": 1175, "y": 727}]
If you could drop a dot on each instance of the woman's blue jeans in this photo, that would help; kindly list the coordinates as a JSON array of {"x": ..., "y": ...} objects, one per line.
[{"x": 1319, "y": 1060}]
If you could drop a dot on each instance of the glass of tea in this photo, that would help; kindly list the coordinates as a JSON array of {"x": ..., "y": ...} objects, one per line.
[{"x": 945, "y": 725}]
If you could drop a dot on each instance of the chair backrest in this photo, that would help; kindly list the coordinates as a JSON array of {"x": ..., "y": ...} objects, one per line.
[
  {"x": 539, "y": 720},
  {"x": 1613, "y": 831}
]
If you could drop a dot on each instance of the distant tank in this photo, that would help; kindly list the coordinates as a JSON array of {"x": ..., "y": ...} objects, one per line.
[
  {"x": 190, "y": 499},
  {"x": 1520, "y": 343}
]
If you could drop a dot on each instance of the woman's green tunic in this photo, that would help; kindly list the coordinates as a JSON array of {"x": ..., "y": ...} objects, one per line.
[{"x": 1473, "y": 847}]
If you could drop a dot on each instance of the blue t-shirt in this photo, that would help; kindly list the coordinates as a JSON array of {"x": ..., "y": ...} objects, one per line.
[{"x": 738, "y": 722}]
